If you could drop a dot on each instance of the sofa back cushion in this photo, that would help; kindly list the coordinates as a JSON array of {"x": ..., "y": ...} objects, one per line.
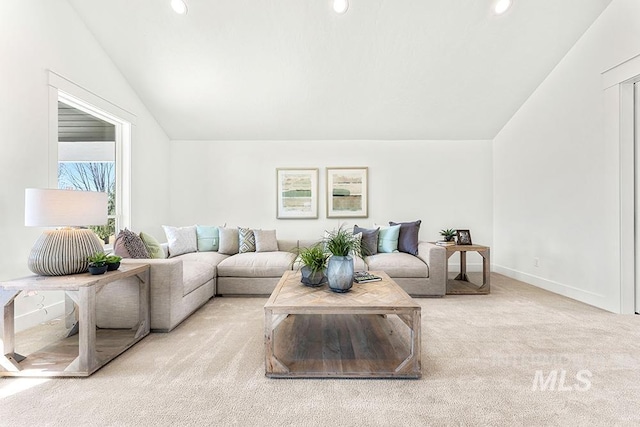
[
  {"x": 229, "y": 241},
  {"x": 266, "y": 240}
]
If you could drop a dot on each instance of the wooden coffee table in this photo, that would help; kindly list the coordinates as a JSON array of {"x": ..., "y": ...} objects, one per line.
[{"x": 373, "y": 331}]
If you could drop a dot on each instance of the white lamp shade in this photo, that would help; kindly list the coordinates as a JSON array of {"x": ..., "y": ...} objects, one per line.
[{"x": 46, "y": 207}]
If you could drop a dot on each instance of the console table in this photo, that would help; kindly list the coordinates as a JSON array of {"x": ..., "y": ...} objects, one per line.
[
  {"x": 91, "y": 348},
  {"x": 461, "y": 285}
]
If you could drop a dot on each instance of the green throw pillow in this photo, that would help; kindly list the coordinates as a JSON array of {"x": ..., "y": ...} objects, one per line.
[
  {"x": 153, "y": 246},
  {"x": 208, "y": 238},
  {"x": 388, "y": 239}
]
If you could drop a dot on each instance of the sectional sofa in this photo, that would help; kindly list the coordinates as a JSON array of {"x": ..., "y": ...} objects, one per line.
[{"x": 182, "y": 284}]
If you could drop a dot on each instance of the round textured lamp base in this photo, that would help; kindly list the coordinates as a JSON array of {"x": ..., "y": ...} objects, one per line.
[{"x": 62, "y": 252}]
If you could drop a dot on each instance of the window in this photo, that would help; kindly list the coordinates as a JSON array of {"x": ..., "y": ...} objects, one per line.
[
  {"x": 92, "y": 149},
  {"x": 87, "y": 159}
]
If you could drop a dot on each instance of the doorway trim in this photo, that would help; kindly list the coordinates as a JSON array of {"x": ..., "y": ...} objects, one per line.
[{"x": 618, "y": 85}]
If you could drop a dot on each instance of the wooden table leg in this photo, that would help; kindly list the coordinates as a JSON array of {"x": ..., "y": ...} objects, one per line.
[
  {"x": 412, "y": 364},
  {"x": 87, "y": 330},
  {"x": 463, "y": 267},
  {"x": 486, "y": 270},
  {"x": 9, "y": 359},
  {"x": 272, "y": 364},
  {"x": 144, "y": 317}
]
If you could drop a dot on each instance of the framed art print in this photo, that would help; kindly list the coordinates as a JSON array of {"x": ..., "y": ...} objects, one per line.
[
  {"x": 297, "y": 193},
  {"x": 463, "y": 237},
  {"x": 347, "y": 192}
]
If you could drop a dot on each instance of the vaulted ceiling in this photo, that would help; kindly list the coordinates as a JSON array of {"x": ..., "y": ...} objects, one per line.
[{"x": 295, "y": 70}]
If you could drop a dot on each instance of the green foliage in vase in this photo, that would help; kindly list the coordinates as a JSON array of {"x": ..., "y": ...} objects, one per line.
[
  {"x": 448, "y": 234},
  {"x": 113, "y": 259},
  {"x": 98, "y": 259},
  {"x": 314, "y": 257},
  {"x": 342, "y": 242}
]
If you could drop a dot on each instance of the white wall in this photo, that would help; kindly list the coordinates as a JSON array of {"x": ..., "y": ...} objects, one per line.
[
  {"x": 36, "y": 35},
  {"x": 556, "y": 178},
  {"x": 446, "y": 184}
]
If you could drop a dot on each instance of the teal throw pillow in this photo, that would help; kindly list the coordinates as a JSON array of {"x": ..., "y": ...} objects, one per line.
[
  {"x": 208, "y": 238},
  {"x": 388, "y": 239}
]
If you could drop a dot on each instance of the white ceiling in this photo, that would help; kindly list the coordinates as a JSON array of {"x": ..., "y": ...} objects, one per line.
[{"x": 293, "y": 69}]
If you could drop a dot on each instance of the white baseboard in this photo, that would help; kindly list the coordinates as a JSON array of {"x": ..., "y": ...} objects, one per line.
[
  {"x": 38, "y": 316},
  {"x": 587, "y": 297}
]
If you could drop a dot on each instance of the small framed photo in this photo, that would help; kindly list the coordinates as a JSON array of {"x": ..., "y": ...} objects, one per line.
[
  {"x": 463, "y": 237},
  {"x": 297, "y": 193},
  {"x": 347, "y": 192}
]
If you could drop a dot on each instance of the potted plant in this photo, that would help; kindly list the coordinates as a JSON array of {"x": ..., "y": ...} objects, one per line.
[
  {"x": 448, "y": 234},
  {"x": 97, "y": 263},
  {"x": 314, "y": 262},
  {"x": 113, "y": 262},
  {"x": 342, "y": 244}
]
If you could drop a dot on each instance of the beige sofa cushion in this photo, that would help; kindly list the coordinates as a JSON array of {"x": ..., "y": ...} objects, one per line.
[
  {"x": 398, "y": 264},
  {"x": 256, "y": 264},
  {"x": 198, "y": 269}
]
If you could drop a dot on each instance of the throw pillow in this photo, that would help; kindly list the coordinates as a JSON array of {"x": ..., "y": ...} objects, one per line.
[
  {"x": 152, "y": 245},
  {"x": 369, "y": 239},
  {"x": 208, "y": 238},
  {"x": 358, "y": 238},
  {"x": 246, "y": 240},
  {"x": 182, "y": 240},
  {"x": 133, "y": 243},
  {"x": 229, "y": 241},
  {"x": 266, "y": 240},
  {"x": 408, "y": 240},
  {"x": 119, "y": 248},
  {"x": 388, "y": 239}
]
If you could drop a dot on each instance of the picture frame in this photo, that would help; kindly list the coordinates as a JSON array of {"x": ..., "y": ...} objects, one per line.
[
  {"x": 297, "y": 193},
  {"x": 463, "y": 237},
  {"x": 347, "y": 192}
]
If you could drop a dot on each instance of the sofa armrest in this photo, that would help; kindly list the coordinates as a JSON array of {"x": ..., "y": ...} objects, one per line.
[
  {"x": 436, "y": 259},
  {"x": 166, "y": 290}
]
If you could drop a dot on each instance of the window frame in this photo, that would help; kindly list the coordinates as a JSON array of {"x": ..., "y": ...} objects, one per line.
[{"x": 61, "y": 89}]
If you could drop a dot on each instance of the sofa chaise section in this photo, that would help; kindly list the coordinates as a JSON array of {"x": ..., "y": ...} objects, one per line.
[{"x": 255, "y": 273}]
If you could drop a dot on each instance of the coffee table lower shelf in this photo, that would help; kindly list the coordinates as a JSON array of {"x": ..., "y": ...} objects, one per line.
[{"x": 343, "y": 346}]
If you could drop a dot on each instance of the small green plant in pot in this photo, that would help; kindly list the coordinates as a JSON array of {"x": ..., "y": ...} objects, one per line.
[
  {"x": 97, "y": 263},
  {"x": 314, "y": 262},
  {"x": 113, "y": 262},
  {"x": 448, "y": 234},
  {"x": 342, "y": 244}
]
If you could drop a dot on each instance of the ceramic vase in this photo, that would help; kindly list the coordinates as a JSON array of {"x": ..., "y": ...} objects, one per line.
[{"x": 340, "y": 273}]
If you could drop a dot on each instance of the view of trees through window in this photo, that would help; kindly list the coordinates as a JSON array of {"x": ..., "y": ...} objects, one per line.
[
  {"x": 87, "y": 158},
  {"x": 92, "y": 176}
]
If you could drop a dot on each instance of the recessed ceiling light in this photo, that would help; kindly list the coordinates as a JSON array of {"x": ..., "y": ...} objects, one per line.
[
  {"x": 340, "y": 6},
  {"x": 501, "y": 6},
  {"x": 179, "y": 7}
]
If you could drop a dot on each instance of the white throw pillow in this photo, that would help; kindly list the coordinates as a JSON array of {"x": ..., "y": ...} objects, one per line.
[{"x": 181, "y": 240}]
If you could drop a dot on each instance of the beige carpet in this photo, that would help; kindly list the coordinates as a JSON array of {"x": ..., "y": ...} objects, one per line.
[{"x": 480, "y": 358}]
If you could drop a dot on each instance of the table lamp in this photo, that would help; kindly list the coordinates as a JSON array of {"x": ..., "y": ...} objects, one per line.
[{"x": 64, "y": 250}]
